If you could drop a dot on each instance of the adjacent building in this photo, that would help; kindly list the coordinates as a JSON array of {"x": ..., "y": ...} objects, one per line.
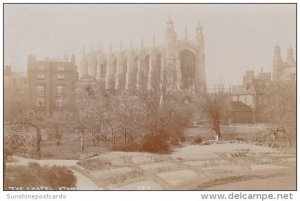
[
  {"x": 87, "y": 85},
  {"x": 283, "y": 70},
  {"x": 51, "y": 84},
  {"x": 239, "y": 113},
  {"x": 253, "y": 92},
  {"x": 16, "y": 92}
]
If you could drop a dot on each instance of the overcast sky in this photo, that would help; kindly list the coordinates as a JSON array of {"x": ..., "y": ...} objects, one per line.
[{"x": 237, "y": 37}]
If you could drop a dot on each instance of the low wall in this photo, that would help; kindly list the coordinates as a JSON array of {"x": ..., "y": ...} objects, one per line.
[{"x": 230, "y": 131}]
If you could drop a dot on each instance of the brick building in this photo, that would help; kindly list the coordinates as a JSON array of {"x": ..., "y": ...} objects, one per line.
[
  {"x": 16, "y": 96},
  {"x": 51, "y": 84}
]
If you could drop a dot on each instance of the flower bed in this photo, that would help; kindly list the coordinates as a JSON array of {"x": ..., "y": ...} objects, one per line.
[{"x": 95, "y": 163}]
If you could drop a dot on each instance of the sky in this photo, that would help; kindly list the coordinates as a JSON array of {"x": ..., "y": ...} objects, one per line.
[{"x": 238, "y": 37}]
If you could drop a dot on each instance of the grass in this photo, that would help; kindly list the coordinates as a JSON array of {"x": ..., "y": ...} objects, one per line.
[
  {"x": 227, "y": 132},
  {"x": 70, "y": 149}
]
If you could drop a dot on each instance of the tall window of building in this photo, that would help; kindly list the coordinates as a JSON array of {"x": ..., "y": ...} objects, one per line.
[
  {"x": 60, "y": 90},
  {"x": 61, "y": 68},
  {"x": 14, "y": 81},
  {"x": 40, "y": 101},
  {"x": 103, "y": 69},
  {"x": 41, "y": 76},
  {"x": 40, "y": 90},
  {"x": 60, "y": 76},
  {"x": 59, "y": 102},
  {"x": 41, "y": 67}
]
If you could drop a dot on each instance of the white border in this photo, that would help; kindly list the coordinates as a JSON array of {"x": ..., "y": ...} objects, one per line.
[{"x": 132, "y": 195}]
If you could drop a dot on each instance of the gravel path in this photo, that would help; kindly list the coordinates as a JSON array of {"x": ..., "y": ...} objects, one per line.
[
  {"x": 84, "y": 183},
  {"x": 49, "y": 162},
  {"x": 274, "y": 183}
]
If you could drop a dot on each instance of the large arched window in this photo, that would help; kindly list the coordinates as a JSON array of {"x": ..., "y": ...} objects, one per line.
[
  {"x": 103, "y": 69},
  {"x": 89, "y": 91},
  {"x": 145, "y": 72},
  {"x": 157, "y": 77},
  {"x": 188, "y": 67}
]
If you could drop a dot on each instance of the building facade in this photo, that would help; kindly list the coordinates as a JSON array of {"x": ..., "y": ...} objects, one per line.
[
  {"x": 16, "y": 93},
  {"x": 51, "y": 84},
  {"x": 86, "y": 86},
  {"x": 252, "y": 92},
  {"x": 176, "y": 64},
  {"x": 283, "y": 70}
]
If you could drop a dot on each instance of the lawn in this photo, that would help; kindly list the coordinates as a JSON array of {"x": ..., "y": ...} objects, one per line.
[{"x": 69, "y": 147}]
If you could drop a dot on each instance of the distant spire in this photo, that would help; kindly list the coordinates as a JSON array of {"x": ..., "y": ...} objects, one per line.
[
  {"x": 98, "y": 47},
  {"x": 153, "y": 40},
  {"x": 83, "y": 50},
  {"x": 92, "y": 48},
  {"x": 199, "y": 28},
  {"x": 277, "y": 51},
  {"x": 131, "y": 46},
  {"x": 142, "y": 42},
  {"x": 199, "y": 35},
  {"x": 110, "y": 47},
  {"x": 199, "y": 24},
  {"x": 121, "y": 45},
  {"x": 73, "y": 58},
  {"x": 185, "y": 33},
  {"x": 66, "y": 57},
  {"x": 290, "y": 55}
]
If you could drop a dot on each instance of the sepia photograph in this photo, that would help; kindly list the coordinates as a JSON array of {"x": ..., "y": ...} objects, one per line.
[{"x": 100, "y": 97}]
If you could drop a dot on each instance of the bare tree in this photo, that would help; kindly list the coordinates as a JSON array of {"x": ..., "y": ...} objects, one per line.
[
  {"x": 151, "y": 105},
  {"x": 33, "y": 120},
  {"x": 213, "y": 105},
  {"x": 163, "y": 120},
  {"x": 96, "y": 122},
  {"x": 129, "y": 112},
  {"x": 86, "y": 105},
  {"x": 279, "y": 108},
  {"x": 59, "y": 121},
  {"x": 111, "y": 123}
]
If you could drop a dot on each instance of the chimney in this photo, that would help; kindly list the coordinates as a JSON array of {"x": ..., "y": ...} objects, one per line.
[{"x": 7, "y": 70}]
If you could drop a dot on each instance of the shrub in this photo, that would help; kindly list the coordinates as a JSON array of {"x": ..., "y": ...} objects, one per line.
[
  {"x": 177, "y": 139},
  {"x": 47, "y": 154},
  {"x": 95, "y": 163},
  {"x": 35, "y": 175},
  {"x": 155, "y": 144},
  {"x": 130, "y": 147},
  {"x": 198, "y": 140},
  {"x": 8, "y": 152}
]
